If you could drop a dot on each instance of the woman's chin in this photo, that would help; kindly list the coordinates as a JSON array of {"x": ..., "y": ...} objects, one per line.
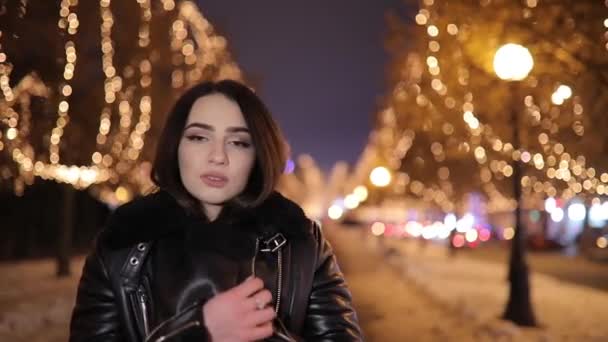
[{"x": 214, "y": 197}]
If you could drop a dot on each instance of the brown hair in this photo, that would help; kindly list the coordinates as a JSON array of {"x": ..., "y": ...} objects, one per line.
[{"x": 268, "y": 141}]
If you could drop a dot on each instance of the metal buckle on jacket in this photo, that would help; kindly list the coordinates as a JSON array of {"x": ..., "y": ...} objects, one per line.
[{"x": 274, "y": 243}]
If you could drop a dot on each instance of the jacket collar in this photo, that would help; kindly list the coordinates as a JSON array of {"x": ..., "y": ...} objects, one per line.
[{"x": 156, "y": 215}]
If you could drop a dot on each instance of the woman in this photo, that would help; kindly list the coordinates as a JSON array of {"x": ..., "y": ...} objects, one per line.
[{"x": 216, "y": 254}]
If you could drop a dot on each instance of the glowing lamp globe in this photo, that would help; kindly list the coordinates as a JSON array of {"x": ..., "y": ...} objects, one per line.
[{"x": 513, "y": 62}]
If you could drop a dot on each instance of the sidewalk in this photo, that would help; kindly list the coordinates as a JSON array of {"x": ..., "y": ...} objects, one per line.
[
  {"x": 460, "y": 290},
  {"x": 402, "y": 292},
  {"x": 390, "y": 308},
  {"x": 35, "y": 306}
]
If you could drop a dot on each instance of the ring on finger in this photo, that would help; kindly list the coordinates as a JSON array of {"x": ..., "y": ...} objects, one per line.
[{"x": 259, "y": 304}]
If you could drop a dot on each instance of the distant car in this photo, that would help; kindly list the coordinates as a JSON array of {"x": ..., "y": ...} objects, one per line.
[{"x": 349, "y": 220}]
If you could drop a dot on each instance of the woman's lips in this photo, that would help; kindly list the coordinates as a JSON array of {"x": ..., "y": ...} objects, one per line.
[{"x": 214, "y": 180}]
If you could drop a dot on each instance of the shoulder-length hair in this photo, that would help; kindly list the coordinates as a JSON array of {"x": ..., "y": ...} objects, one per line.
[{"x": 269, "y": 144}]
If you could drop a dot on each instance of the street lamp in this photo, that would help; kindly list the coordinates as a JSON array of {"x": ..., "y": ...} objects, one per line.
[
  {"x": 513, "y": 62},
  {"x": 380, "y": 176}
]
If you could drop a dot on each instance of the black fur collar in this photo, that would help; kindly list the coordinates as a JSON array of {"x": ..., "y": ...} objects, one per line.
[{"x": 156, "y": 215}]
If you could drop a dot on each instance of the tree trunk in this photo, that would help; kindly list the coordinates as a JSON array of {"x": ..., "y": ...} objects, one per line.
[
  {"x": 66, "y": 228},
  {"x": 519, "y": 307}
]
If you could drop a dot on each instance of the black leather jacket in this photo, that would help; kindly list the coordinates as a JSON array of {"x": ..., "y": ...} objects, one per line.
[{"x": 154, "y": 266}]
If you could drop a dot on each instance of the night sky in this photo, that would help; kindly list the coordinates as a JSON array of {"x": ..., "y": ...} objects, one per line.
[{"x": 319, "y": 65}]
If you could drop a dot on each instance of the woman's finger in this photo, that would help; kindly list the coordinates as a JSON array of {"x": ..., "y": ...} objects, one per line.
[
  {"x": 261, "y": 332},
  {"x": 248, "y": 287},
  {"x": 259, "y": 300},
  {"x": 259, "y": 317}
]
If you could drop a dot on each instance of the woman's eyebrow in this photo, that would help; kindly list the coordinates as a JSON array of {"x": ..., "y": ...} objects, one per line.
[
  {"x": 237, "y": 129},
  {"x": 212, "y": 129},
  {"x": 200, "y": 125}
]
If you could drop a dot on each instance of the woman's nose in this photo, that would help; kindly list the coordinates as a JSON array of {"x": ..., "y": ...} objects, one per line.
[{"x": 218, "y": 155}]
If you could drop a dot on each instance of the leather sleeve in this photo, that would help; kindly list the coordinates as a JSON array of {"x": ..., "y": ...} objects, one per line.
[
  {"x": 330, "y": 314},
  {"x": 95, "y": 316}
]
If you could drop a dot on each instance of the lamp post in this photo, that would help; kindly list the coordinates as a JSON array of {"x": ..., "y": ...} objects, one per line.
[
  {"x": 380, "y": 177},
  {"x": 513, "y": 63}
]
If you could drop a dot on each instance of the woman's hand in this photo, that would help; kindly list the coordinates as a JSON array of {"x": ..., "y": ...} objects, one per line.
[{"x": 240, "y": 314}]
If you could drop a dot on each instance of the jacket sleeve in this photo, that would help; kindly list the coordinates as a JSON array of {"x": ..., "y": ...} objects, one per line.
[
  {"x": 330, "y": 314},
  {"x": 95, "y": 316}
]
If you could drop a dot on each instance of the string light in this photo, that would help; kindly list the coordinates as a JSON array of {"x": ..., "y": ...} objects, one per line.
[
  {"x": 563, "y": 92},
  {"x": 68, "y": 22},
  {"x": 573, "y": 172},
  {"x": 116, "y": 159}
]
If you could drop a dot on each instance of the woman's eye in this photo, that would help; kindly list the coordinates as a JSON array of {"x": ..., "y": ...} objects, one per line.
[
  {"x": 196, "y": 138},
  {"x": 242, "y": 144}
]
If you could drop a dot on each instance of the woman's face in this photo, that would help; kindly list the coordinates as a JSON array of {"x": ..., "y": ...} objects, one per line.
[{"x": 216, "y": 153}]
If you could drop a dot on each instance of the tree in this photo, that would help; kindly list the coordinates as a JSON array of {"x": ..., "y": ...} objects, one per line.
[
  {"x": 446, "y": 127},
  {"x": 86, "y": 86}
]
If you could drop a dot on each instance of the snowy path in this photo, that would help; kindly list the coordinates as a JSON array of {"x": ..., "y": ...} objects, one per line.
[
  {"x": 402, "y": 293},
  {"x": 478, "y": 290},
  {"x": 34, "y": 304},
  {"x": 389, "y": 308}
]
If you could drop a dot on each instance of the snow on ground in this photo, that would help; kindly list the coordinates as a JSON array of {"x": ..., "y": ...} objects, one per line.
[
  {"x": 402, "y": 292},
  {"x": 389, "y": 307},
  {"x": 34, "y": 304},
  {"x": 479, "y": 290}
]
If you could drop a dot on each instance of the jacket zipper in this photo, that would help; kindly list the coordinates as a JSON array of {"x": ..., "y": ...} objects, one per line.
[
  {"x": 196, "y": 323},
  {"x": 255, "y": 256},
  {"x": 280, "y": 280},
  {"x": 144, "y": 311},
  {"x": 279, "y": 272},
  {"x": 177, "y": 331}
]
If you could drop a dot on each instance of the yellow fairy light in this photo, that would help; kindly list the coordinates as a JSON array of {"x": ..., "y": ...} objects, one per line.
[
  {"x": 480, "y": 153},
  {"x": 168, "y": 5},
  {"x": 564, "y": 91},
  {"x": 497, "y": 145},
  {"x": 531, "y": 3},
  {"x": 450, "y": 102},
  {"x": 436, "y": 84},
  {"x": 107, "y": 160},
  {"x": 67, "y": 90},
  {"x": 587, "y": 184},
  {"x": 507, "y": 171},
  {"x": 434, "y": 46},
  {"x": 28, "y": 166},
  {"x": 452, "y": 29},
  {"x": 63, "y": 106},
  {"x": 421, "y": 19},
  {"x": 11, "y": 133},
  {"x": 97, "y": 158}
]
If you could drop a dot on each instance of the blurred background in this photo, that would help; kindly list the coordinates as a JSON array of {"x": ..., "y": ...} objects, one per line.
[{"x": 455, "y": 152}]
